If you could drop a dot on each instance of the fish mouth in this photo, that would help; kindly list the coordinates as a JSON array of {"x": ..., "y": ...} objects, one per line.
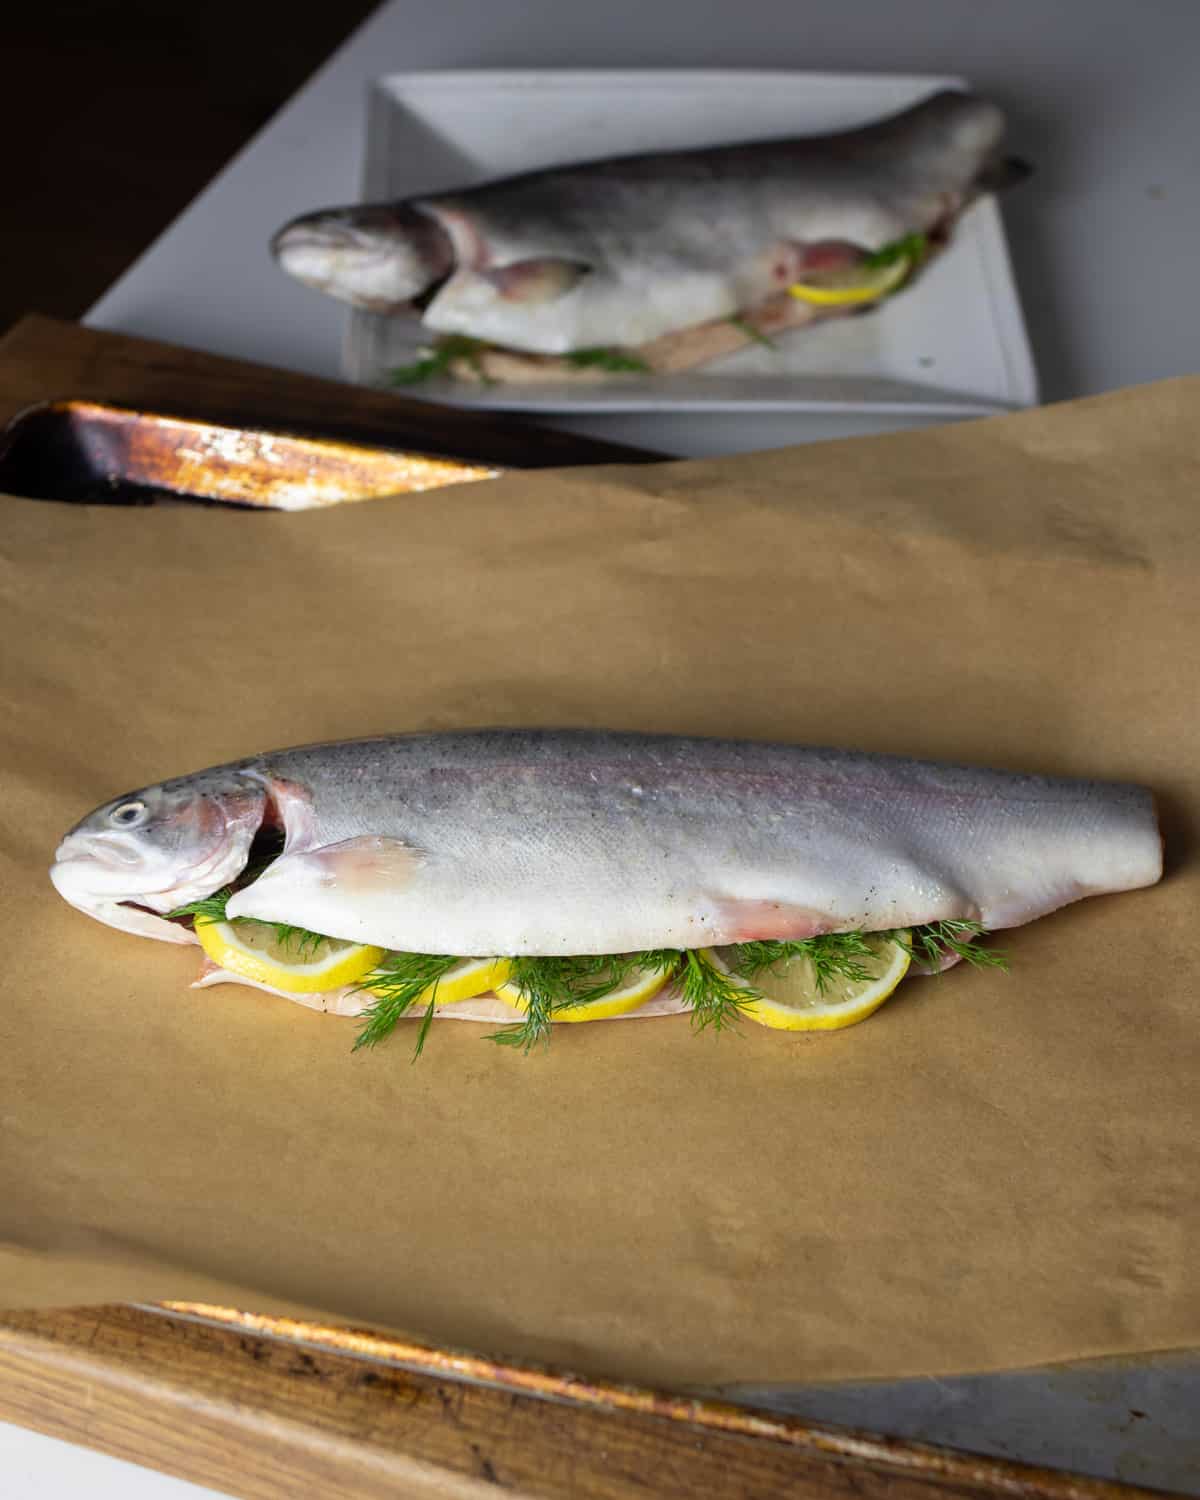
[
  {"x": 106, "y": 866},
  {"x": 98, "y": 872},
  {"x": 99, "y": 851},
  {"x": 70, "y": 878},
  {"x": 384, "y": 257}
]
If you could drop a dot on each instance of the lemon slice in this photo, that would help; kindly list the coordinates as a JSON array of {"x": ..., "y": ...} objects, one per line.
[
  {"x": 253, "y": 950},
  {"x": 467, "y": 979},
  {"x": 792, "y": 1002},
  {"x": 856, "y": 285},
  {"x": 639, "y": 988}
]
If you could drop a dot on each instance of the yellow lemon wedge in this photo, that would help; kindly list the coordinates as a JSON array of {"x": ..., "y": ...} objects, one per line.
[
  {"x": 640, "y": 987},
  {"x": 255, "y": 951},
  {"x": 857, "y": 285},
  {"x": 468, "y": 978},
  {"x": 792, "y": 1000}
]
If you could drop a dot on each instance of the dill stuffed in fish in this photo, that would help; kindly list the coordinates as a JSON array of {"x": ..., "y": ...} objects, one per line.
[
  {"x": 533, "y": 876},
  {"x": 661, "y": 261}
]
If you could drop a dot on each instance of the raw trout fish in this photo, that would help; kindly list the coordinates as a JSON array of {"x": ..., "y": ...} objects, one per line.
[
  {"x": 579, "y": 842},
  {"x": 654, "y": 253}
]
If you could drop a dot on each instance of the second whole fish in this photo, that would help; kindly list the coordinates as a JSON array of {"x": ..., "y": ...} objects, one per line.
[{"x": 628, "y": 251}]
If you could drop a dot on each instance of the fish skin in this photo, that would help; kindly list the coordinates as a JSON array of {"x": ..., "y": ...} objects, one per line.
[
  {"x": 669, "y": 239},
  {"x": 552, "y": 842}
]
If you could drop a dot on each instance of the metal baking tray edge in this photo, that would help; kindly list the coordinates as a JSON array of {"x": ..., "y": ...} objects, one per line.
[{"x": 96, "y": 453}]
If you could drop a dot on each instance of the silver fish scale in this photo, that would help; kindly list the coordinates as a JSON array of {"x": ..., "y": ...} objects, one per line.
[{"x": 574, "y": 842}]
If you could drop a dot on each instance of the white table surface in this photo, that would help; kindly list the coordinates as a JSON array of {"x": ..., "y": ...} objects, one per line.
[
  {"x": 35, "y": 1467},
  {"x": 1101, "y": 96}
]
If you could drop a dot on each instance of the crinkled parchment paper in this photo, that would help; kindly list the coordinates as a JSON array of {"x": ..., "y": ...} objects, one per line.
[{"x": 994, "y": 1171}]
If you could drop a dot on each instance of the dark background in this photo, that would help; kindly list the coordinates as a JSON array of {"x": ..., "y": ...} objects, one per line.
[{"x": 113, "y": 116}]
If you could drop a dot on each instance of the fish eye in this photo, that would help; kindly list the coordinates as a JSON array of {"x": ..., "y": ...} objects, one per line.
[{"x": 128, "y": 815}]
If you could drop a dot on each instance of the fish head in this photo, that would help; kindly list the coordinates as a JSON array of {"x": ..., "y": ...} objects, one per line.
[
  {"x": 158, "y": 848},
  {"x": 378, "y": 256}
]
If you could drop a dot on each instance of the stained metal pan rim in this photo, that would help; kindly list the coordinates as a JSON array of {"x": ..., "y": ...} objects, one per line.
[{"x": 88, "y": 451}]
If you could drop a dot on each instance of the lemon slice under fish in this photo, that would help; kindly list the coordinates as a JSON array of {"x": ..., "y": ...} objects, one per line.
[
  {"x": 792, "y": 1002},
  {"x": 253, "y": 950},
  {"x": 856, "y": 285},
  {"x": 639, "y": 988},
  {"x": 468, "y": 978}
]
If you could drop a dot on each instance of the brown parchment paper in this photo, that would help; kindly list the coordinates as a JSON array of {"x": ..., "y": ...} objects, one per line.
[{"x": 994, "y": 1171}]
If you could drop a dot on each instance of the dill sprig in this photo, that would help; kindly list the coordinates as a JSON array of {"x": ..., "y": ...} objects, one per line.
[
  {"x": 304, "y": 943},
  {"x": 657, "y": 961},
  {"x": 931, "y": 943},
  {"x": 438, "y": 358},
  {"x": 616, "y": 361},
  {"x": 909, "y": 247},
  {"x": 548, "y": 985},
  {"x": 397, "y": 984},
  {"x": 833, "y": 955},
  {"x": 207, "y": 909},
  {"x": 715, "y": 1000},
  {"x": 545, "y": 984},
  {"x": 755, "y": 335},
  {"x": 300, "y": 940}
]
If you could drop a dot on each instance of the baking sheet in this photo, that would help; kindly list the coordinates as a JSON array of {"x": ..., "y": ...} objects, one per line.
[
  {"x": 994, "y": 1171},
  {"x": 115, "y": 455},
  {"x": 953, "y": 345}
]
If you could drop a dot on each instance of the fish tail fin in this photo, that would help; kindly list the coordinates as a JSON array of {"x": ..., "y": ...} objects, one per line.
[{"x": 1002, "y": 172}]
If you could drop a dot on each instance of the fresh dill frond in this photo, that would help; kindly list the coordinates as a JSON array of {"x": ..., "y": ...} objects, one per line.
[
  {"x": 932, "y": 942},
  {"x": 396, "y": 985},
  {"x": 657, "y": 960},
  {"x": 547, "y": 985},
  {"x": 579, "y": 981},
  {"x": 438, "y": 358},
  {"x": 303, "y": 942},
  {"x": 207, "y": 909},
  {"x": 714, "y": 999},
  {"x": 910, "y": 247},
  {"x": 212, "y": 909},
  {"x": 426, "y": 1023},
  {"x": 617, "y": 361},
  {"x": 755, "y": 335},
  {"x": 424, "y": 367},
  {"x": 833, "y": 955}
]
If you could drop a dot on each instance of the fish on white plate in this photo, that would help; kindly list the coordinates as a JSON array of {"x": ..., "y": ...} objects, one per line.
[
  {"x": 574, "y": 842},
  {"x": 660, "y": 261}
]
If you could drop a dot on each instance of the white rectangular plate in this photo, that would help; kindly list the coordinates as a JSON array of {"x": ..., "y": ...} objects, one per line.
[{"x": 954, "y": 344}]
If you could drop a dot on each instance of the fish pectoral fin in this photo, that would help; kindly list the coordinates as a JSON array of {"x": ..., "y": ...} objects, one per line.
[
  {"x": 367, "y": 862},
  {"x": 531, "y": 282},
  {"x": 357, "y": 869}
]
